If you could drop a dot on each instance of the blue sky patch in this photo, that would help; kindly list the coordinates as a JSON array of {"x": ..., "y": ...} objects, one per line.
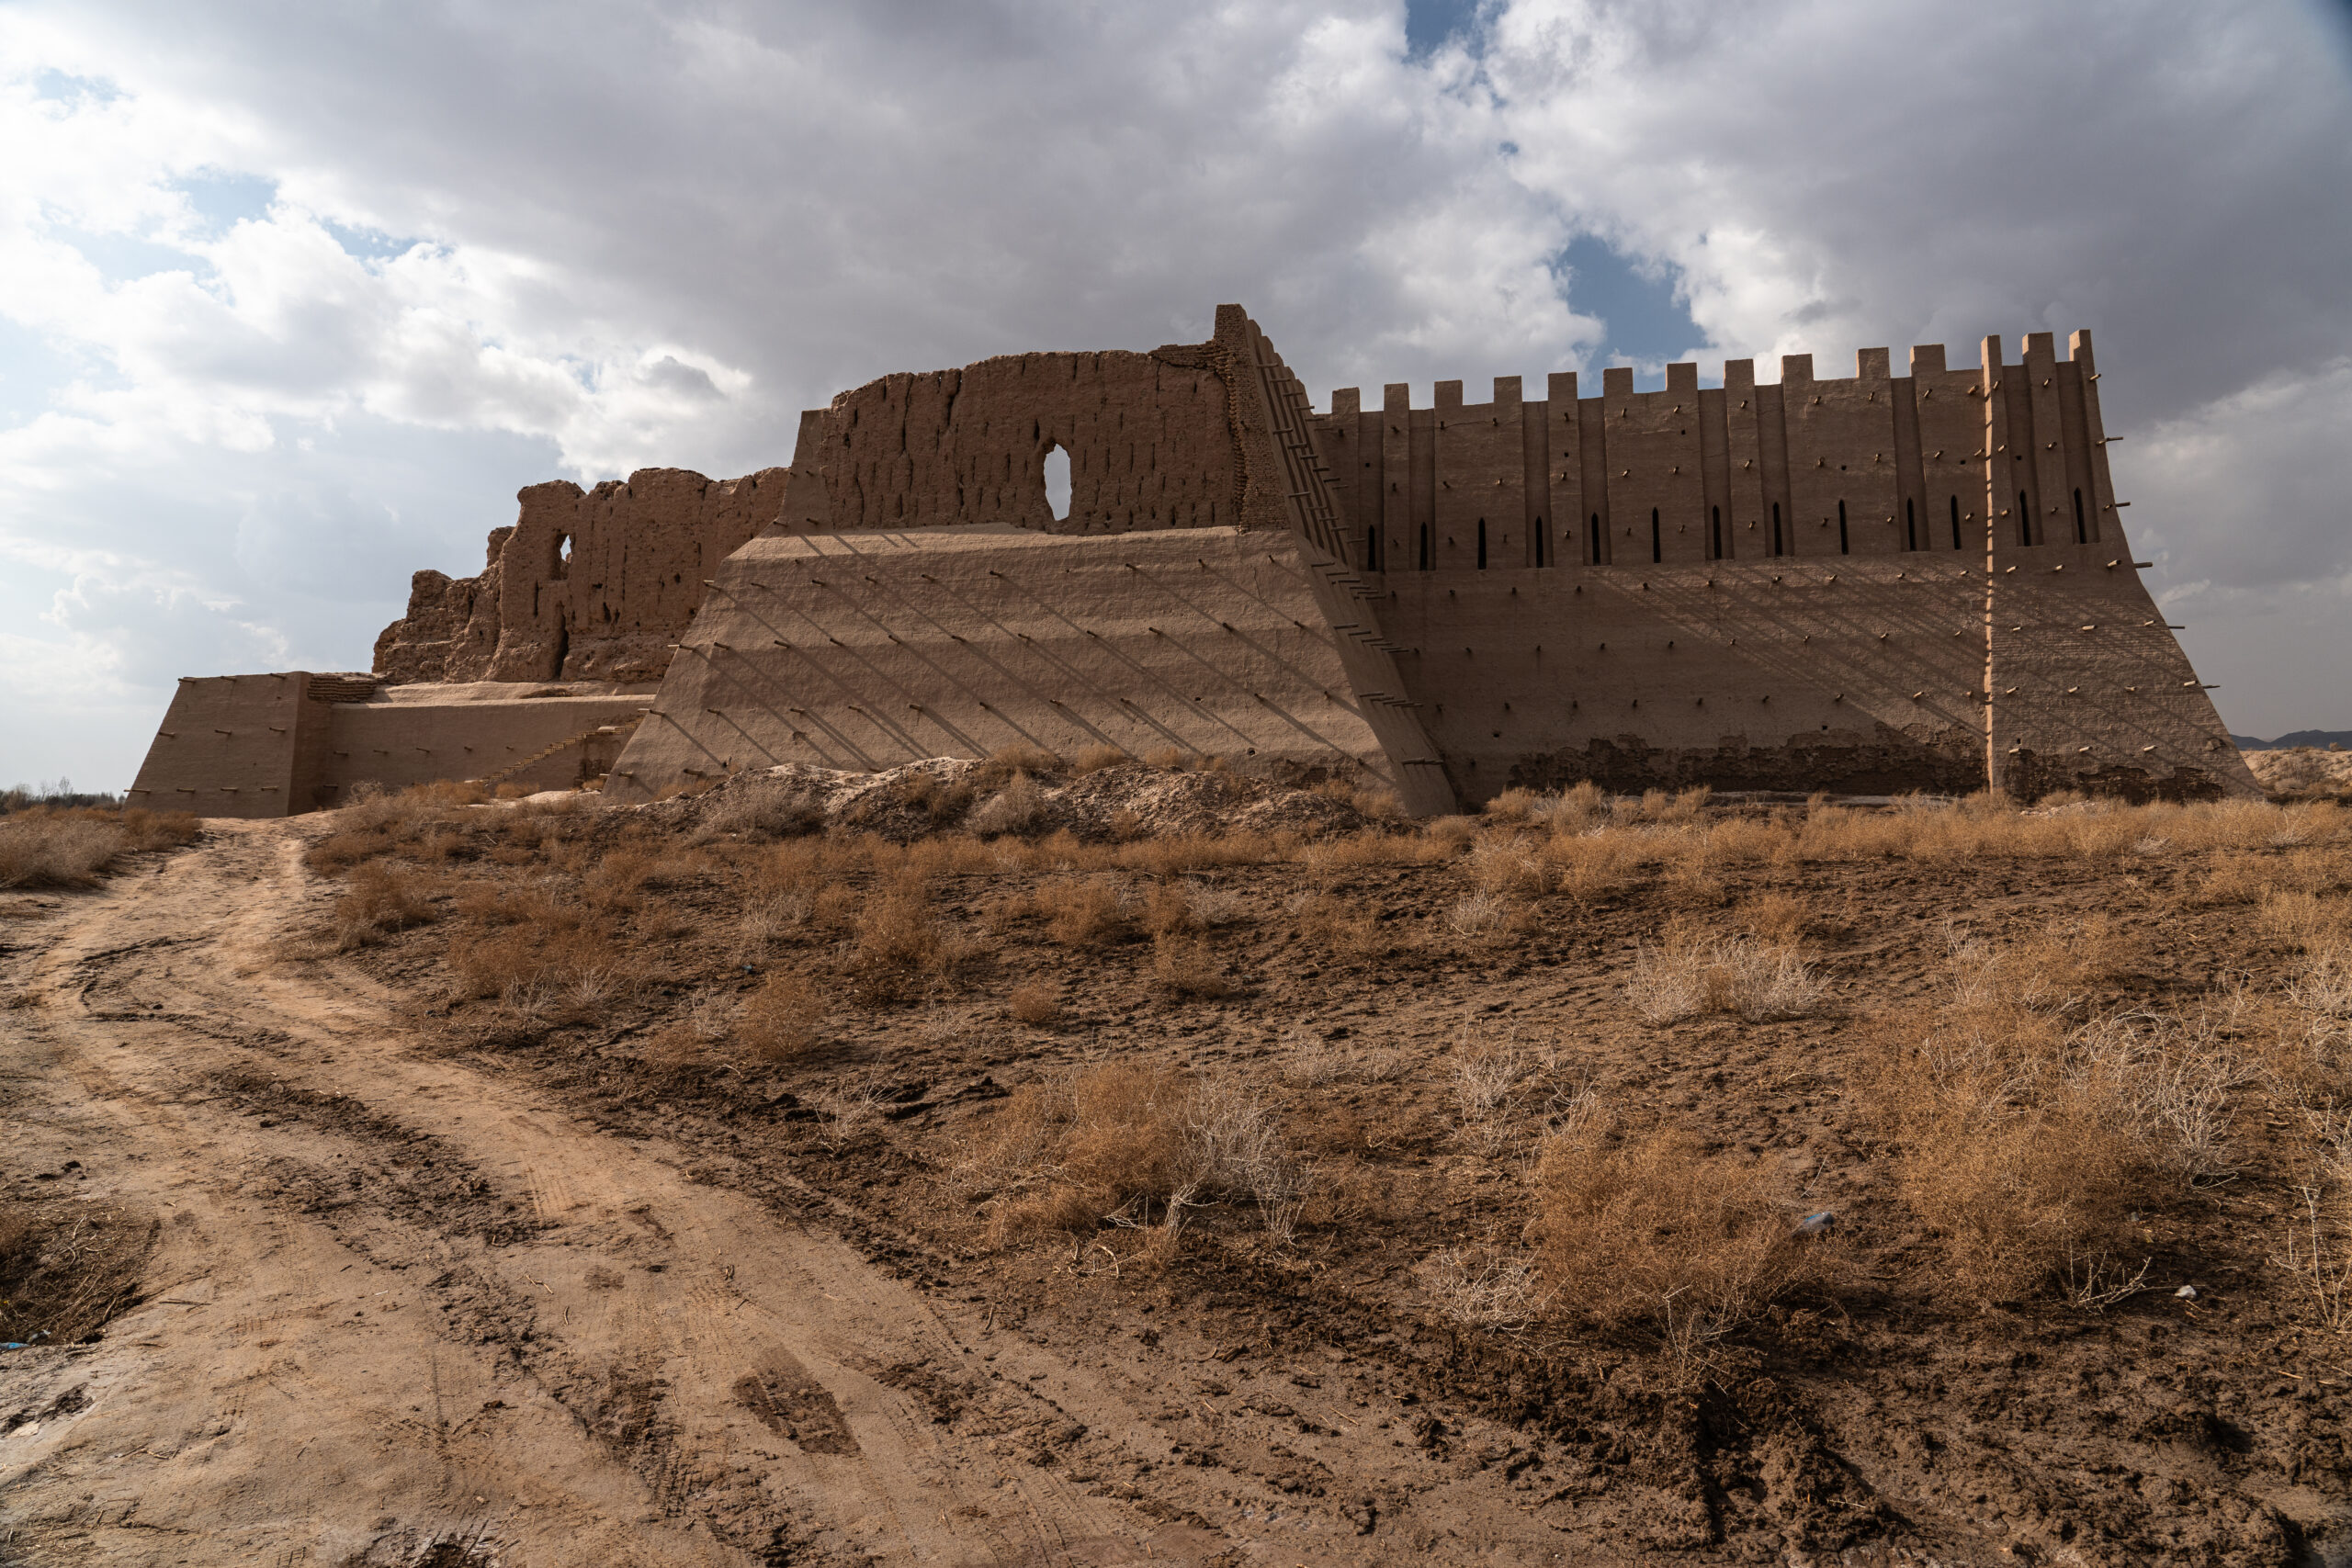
[{"x": 1646, "y": 321}]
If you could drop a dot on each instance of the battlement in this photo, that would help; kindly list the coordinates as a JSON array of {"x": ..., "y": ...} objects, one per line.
[{"x": 1996, "y": 457}]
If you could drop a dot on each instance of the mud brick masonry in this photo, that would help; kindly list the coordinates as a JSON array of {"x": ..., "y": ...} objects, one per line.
[{"x": 1865, "y": 585}]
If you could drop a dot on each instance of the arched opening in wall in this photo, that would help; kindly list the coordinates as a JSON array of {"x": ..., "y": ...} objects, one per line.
[
  {"x": 1372, "y": 549},
  {"x": 1842, "y": 548},
  {"x": 1482, "y": 543},
  {"x": 1955, "y": 523},
  {"x": 1657, "y": 540},
  {"x": 1910, "y": 526},
  {"x": 2025, "y": 520},
  {"x": 1056, "y": 467},
  {"x": 563, "y": 558},
  {"x": 1542, "y": 533},
  {"x": 2082, "y": 528},
  {"x": 1776, "y": 527},
  {"x": 1596, "y": 539},
  {"x": 1427, "y": 560},
  {"x": 1714, "y": 532}
]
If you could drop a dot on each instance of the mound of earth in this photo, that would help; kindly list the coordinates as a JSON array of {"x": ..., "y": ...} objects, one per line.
[
  {"x": 1130, "y": 800},
  {"x": 2303, "y": 772}
]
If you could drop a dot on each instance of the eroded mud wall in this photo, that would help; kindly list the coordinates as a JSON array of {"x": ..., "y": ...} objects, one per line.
[
  {"x": 865, "y": 651},
  {"x": 1924, "y": 578},
  {"x": 586, "y": 585}
]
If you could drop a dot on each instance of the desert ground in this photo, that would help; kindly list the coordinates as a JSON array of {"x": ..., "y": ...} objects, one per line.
[{"x": 1101, "y": 1161}]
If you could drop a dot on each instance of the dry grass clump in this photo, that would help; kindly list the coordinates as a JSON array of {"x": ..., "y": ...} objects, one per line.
[
  {"x": 1478, "y": 914},
  {"x": 1187, "y": 967},
  {"x": 381, "y": 897},
  {"x": 2025, "y": 1140},
  {"x": 781, "y": 1021},
  {"x": 1094, "y": 758},
  {"x": 511, "y": 961},
  {"x": 1591, "y": 866},
  {"x": 1086, "y": 913},
  {"x": 1505, "y": 866},
  {"x": 74, "y": 846},
  {"x": 771, "y": 808},
  {"x": 1484, "y": 1288},
  {"x": 1128, "y": 1142},
  {"x": 1348, "y": 930},
  {"x": 899, "y": 941},
  {"x": 1036, "y": 1004},
  {"x": 1683, "y": 976},
  {"x": 1649, "y": 1229},
  {"x": 1018, "y": 809},
  {"x": 1779, "y": 919},
  {"x": 1193, "y": 905}
]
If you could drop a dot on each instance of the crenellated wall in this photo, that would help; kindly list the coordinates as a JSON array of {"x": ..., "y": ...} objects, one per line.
[{"x": 1927, "y": 573}]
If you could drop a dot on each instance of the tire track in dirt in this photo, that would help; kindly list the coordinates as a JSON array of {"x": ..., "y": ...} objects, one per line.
[{"x": 438, "y": 1306}]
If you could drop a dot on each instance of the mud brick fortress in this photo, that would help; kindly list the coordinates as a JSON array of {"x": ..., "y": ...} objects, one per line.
[{"x": 1866, "y": 585}]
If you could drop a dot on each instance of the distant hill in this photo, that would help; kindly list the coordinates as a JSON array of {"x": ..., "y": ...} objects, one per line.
[{"x": 2300, "y": 738}]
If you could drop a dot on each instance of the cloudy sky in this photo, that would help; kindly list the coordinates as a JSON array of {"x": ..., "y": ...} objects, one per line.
[{"x": 294, "y": 297}]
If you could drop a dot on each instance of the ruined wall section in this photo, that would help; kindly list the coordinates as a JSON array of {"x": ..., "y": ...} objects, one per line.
[
  {"x": 586, "y": 585},
  {"x": 1149, "y": 437},
  {"x": 865, "y": 651}
]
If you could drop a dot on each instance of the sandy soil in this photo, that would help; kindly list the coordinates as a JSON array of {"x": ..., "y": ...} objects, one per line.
[{"x": 422, "y": 1291}]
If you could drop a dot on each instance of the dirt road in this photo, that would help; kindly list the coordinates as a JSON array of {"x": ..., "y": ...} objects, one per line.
[{"x": 396, "y": 1301}]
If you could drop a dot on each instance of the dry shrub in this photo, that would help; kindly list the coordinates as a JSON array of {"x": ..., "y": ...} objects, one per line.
[
  {"x": 898, "y": 939},
  {"x": 2013, "y": 1193},
  {"x": 2305, "y": 921},
  {"x": 1018, "y": 809},
  {"x": 764, "y": 923},
  {"x": 48, "y": 848},
  {"x": 1122, "y": 1141},
  {"x": 1590, "y": 866},
  {"x": 1187, "y": 967},
  {"x": 1576, "y": 809},
  {"x": 1505, "y": 866},
  {"x": 1683, "y": 976},
  {"x": 1348, "y": 930},
  {"x": 2234, "y": 879},
  {"x": 1180, "y": 854},
  {"x": 1036, "y": 1004},
  {"x": 2024, "y": 1142},
  {"x": 1515, "y": 805},
  {"x": 1481, "y": 1287},
  {"x": 498, "y": 964},
  {"x": 1450, "y": 835},
  {"x": 1776, "y": 917},
  {"x": 1650, "y": 1230},
  {"x": 762, "y": 805},
  {"x": 951, "y": 854},
  {"x": 1478, "y": 914},
  {"x": 1094, "y": 758},
  {"x": 1326, "y": 858},
  {"x": 380, "y": 898},
  {"x": 779, "y": 1023},
  {"x": 1190, "y": 906},
  {"x": 1082, "y": 914}
]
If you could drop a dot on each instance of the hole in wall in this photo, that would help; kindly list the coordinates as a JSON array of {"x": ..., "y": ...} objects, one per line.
[
  {"x": 1057, "y": 481},
  {"x": 563, "y": 555}
]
